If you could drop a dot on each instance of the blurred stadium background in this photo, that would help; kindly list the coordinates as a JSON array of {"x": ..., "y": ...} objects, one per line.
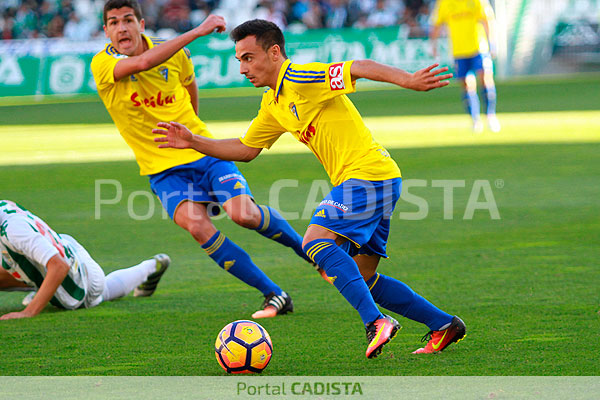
[
  {"x": 47, "y": 45},
  {"x": 526, "y": 284}
]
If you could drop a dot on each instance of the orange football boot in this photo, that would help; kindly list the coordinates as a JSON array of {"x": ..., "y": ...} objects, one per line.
[
  {"x": 439, "y": 340},
  {"x": 379, "y": 333}
]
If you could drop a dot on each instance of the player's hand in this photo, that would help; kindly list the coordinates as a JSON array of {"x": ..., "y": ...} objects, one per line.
[
  {"x": 211, "y": 24},
  {"x": 429, "y": 78},
  {"x": 16, "y": 315},
  {"x": 174, "y": 135}
]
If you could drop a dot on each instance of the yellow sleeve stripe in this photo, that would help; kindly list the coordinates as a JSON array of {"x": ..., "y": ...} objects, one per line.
[
  {"x": 316, "y": 248},
  {"x": 215, "y": 246},
  {"x": 266, "y": 219},
  {"x": 374, "y": 283}
]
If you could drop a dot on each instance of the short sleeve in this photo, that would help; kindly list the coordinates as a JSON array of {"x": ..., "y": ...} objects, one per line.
[
  {"x": 262, "y": 132},
  {"x": 187, "y": 67},
  {"x": 103, "y": 67},
  {"x": 437, "y": 15},
  {"x": 21, "y": 236},
  {"x": 320, "y": 82}
]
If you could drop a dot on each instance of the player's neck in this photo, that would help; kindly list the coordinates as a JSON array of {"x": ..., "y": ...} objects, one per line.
[
  {"x": 142, "y": 47},
  {"x": 276, "y": 71}
]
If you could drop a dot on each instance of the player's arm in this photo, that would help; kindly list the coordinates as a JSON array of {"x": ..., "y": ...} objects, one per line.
[
  {"x": 192, "y": 89},
  {"x": 57, "y": 270},
  {"x": 166, "y": 50},
  {"x": 489, "y": 25},
  {"x": 433, "y": 37},
  {"x": 178, "y": 136},
  {"x": 422, "y": 80}
]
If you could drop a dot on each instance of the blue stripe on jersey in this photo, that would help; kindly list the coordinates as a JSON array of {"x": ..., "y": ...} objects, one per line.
[
  {"x": 110, "y": 50},
  {"x": 322, "y": 76},
  {"x": 307, "y": 81},
  {"x": 307, "y": 72}
]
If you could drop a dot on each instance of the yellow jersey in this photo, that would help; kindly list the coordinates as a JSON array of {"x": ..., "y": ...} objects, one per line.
[
  {"x": 464, "y": 21},
  {"x": 311, "y": 103},
  {"x": 138, "y": 102}
]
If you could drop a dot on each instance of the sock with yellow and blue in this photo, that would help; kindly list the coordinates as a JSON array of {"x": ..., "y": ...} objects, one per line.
[
  {"x": 398, "y": 297},
  {"x": 233, "y": 259},
  {"x": 273, "y": 226},
  {"x": 344, "y": 273}
]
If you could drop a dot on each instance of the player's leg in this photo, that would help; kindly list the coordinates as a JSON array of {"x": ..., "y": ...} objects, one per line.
[
  {"x": 350, "y": 212},
  {"x": 194, "y": 218},
  {"x": 233, "y": 192},
  {"x": 184, "y": 193},
  {"x": 121, "y": 282},
  {"x": 265, "y": 220},
  {"x": 486, "y": 77},
  {"x": 398, "y": 297},
  {"x": 468, "y": 84},
  {"x": 322, "y": 246},
  {"x": 8, "y": 283},
  {"x": 118, "y": 283}
]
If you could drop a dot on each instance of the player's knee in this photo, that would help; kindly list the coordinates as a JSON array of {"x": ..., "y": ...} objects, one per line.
[
  {"x": 201, "y": 232},
  {"x": 245, "y": 219}
]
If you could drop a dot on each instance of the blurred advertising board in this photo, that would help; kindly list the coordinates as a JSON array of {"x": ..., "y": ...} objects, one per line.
[{"x": 59, "y": 67}]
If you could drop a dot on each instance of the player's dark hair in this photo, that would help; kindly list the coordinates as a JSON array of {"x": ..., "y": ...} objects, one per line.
[
  {"x": 116, "y": 4},
  {"x": 267, "y": 34}
]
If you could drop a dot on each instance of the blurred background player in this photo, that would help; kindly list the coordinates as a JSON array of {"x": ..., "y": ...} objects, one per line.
[
  {"x": 144, "y": 80},
  {"x": 348, "y": 233},
  {"x": 471, "y": 28},
  {"x": 62, "y": 272}
]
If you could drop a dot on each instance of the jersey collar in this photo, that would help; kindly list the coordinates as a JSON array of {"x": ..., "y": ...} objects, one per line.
[
  {"x": 148, "y": 41},
  {"x": 282, "y": 71}
]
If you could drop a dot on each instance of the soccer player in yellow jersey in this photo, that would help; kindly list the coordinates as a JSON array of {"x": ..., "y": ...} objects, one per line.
[
  {"x": 144, "y": 80},
  {"x": 470, "y": 25},
  {"x": 348, "y": 232}
]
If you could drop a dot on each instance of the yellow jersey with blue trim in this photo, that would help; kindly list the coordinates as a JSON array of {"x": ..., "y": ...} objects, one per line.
[
  {"x": 311, "y": 103},
  {"x": 139, "y": 101},
  {"x": 464, "y": 21}
]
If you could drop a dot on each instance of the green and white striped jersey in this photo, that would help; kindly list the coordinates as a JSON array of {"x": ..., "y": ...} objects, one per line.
[{"x": 27, "y": 244}]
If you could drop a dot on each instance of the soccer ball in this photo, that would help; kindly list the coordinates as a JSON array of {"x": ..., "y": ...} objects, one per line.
[{"x": 243, "y": 347}]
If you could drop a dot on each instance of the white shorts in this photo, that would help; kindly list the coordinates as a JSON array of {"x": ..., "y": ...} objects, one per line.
[{"x": 92, "y": 274}]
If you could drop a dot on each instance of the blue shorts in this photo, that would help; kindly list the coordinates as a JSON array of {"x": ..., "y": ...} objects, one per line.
[
  {"x": 360, "y": 211},
  {"x": 462, "y": 66},
  {"x": 207, "y": 180}
]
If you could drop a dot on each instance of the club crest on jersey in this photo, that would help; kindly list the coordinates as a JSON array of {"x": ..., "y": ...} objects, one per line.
[
  {"x": 336, "y": 76},
  {"x": 164, "y": 71},
  {"x": 294, "y": 110},
  {"x": 133, "y": 78}
]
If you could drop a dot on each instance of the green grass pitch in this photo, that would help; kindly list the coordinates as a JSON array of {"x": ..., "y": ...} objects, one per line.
[{"x": 526, "y": 285}]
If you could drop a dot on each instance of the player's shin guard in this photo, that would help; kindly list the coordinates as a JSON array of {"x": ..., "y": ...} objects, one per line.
[
  {"x": 238, "y": 263},
  {"x": 274, "y": 227},
  {"x": 345, "y": 276},
  {"x": 398, "y": 297},
  {"x": 471, "y": 103},
  {"x": 489, "y": 95}
]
